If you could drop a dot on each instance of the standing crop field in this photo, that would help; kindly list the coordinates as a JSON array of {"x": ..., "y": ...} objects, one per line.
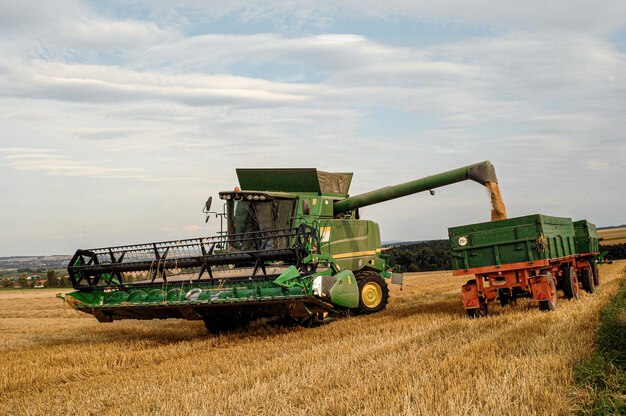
[{"x": 420, "y": 356}]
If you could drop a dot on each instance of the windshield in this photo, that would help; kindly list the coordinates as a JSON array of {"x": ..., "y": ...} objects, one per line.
[{"x": 255, "y": 216}]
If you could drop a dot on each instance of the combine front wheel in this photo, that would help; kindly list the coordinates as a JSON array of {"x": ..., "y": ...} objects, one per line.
[{"x": 373, "y": 291}]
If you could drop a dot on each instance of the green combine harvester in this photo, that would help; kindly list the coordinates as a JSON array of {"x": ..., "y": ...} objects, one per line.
[{"x": 294, "y": 247}]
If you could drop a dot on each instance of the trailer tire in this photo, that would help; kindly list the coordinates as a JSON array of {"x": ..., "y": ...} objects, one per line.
[
  {"x": 586, "y": 278},
  {"x": 549, "y": 304},
  {"x": 596, "y": 273},
  {"x": 570, "y": 283},
  {"x": 480, "y": 312},
  {"x": 506, "y": 299},
  {"x": 373, "y": 292}
]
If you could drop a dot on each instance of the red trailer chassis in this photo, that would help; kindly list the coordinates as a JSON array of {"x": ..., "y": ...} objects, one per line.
[{"x": 539, "y": 279}]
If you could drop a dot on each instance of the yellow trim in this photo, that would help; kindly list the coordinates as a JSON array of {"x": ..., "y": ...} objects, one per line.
[
  {"x": 371, "y": 295},
  {"x": 354, "y": 254}
]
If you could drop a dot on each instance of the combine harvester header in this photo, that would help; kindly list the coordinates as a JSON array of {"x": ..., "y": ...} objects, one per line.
[{"x": 294, "y": 247}]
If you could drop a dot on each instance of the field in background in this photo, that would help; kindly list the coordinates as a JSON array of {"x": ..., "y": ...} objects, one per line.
[
  {"x": 420, "y": 356},
  {"x": 613, "y": 236}
]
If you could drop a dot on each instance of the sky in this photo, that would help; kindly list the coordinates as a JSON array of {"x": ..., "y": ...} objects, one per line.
[{"x": 118, "y": 119}]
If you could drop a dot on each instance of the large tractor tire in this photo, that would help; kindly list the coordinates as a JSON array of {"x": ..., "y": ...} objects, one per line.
[
  {"x": 550, "y": 303},
  {"x": 373, "y": 292},
  {"x": 570, "y": 283},
  {"x": 586, "y": 278}
]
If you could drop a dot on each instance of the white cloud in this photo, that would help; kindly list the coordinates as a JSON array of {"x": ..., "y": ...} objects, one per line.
[
  {"x": 108, "y": 133},
  {"x": 568, "y": 15},
  {"x": 67, "y": 27},
  {"x": 51, "y": 163},
  {"x": 54, "y": 164},
  {"x": 99, "y": 83},
  {"x": 132, "y": 108},
  {"x": 216, "y": 51},
  {"x": 596, "y": 164}
]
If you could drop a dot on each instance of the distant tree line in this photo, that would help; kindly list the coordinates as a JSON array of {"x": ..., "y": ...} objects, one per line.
[
  {"x": 421, "y": 257},
  {"x": 615, "y": 252},
  {"x": 30, "y": 270},
  {"x": 53, "y": 279}
]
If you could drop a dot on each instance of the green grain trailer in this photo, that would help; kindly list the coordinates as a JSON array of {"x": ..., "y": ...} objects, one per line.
[
  {"x": 294, "y": 246},
  {"x": 587, "y": 240},
  {"x": 529, "y": 256},
  {"x": 588, "y": 243}
]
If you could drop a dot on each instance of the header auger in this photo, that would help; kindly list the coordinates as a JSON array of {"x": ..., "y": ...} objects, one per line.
[{"x": 294, "y": 247}]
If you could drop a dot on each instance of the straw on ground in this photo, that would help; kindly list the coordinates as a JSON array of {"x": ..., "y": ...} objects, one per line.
[{"x": 420, "y": 356}]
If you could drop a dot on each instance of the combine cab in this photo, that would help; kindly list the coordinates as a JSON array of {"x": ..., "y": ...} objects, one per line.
[{"x": 294, "y": 247}]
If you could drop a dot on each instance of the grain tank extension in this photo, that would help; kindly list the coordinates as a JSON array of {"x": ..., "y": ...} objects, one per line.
[{"x": 293, "y": 246}]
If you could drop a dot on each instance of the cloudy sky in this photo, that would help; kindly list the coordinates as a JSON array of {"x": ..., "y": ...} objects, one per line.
[{"x": 118, "y": 119}]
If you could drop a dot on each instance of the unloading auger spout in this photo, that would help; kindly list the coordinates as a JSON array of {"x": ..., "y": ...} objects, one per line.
[{"x": 483, "y": 173}]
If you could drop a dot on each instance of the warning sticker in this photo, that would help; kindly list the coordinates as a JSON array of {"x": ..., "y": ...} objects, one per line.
[{"x": 325, "y": 234}]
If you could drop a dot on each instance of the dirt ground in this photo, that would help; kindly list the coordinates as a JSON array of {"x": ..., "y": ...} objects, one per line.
[{"x": 421, "y": 356}]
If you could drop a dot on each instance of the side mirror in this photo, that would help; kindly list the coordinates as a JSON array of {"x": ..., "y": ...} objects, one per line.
[{"x": 207, "y": 208}]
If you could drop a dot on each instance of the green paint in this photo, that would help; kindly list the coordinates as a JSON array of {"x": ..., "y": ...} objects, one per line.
[
  {"x": 587, "y": 240},
  {"x": 479, "y": 172},
  {"x": 288, "y": 277},
  {"x": 514, "y": 240},
  {"x": 345, "y": 291}
]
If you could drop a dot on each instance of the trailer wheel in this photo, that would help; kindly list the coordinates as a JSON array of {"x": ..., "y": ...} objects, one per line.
[
  {"x": 505, "y": 297},
  {"x": 586, "y": 278},
  {"x": 550, "y": 303},
  {"x": 479, "y": 312},
  {"x": 570, "y": 283},
  {"x": 373, "y": 292},
  {"x": 596, "y": 273}
]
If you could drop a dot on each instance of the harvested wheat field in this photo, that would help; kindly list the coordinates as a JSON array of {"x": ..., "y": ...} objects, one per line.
[
  {"x": 612, "y": 236},
  {"x": 420, "y": 356}
]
